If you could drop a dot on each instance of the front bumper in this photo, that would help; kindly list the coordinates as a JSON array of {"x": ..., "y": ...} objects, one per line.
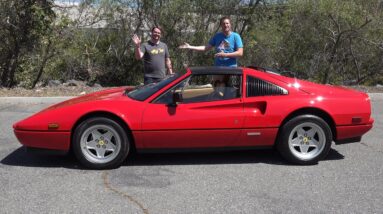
[{"x": 44, "y": 139}]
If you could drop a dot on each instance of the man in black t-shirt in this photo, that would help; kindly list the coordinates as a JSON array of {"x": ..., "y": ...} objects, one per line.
[{"x": 155, "y": 55}]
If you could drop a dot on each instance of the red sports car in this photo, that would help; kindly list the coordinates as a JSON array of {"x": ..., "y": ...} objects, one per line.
[{"x": 207, "y": 107}]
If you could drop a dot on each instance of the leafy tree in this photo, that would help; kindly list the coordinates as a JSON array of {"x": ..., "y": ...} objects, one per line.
[
  {"x": 22, "y": 25},
  {"x": 328, "y": 41},
  {"x": 323, "y": 40}
]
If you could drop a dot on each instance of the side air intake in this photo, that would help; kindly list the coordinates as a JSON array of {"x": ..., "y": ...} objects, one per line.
[{"x": 257, "y": 87}]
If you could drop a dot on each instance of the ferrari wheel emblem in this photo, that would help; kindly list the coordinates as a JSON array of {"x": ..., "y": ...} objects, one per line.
[{"x": 305, "y": 140}]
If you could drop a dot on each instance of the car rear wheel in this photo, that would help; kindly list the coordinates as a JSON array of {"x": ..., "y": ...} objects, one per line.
[
  {"x": 305, "y": 139},
  {"x": 100, "y": 143}
]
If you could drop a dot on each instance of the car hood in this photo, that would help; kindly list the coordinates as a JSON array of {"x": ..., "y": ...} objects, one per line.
[
  {"x": 108, "y": 94},
  {"x": 66, "y": 113}
]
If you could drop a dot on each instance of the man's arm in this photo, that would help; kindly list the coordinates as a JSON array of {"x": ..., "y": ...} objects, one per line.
[
  {"x": 196, "y": 48},
  {"x": 168, "y": 63},
  {"x": 137, "y": 50},
  {"x": 235, "y": 54}
]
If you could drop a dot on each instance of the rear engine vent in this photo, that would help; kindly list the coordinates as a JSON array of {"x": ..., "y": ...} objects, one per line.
[{"x": 257, "y": 87}]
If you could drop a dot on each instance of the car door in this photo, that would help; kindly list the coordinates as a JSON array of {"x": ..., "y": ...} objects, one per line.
[
  {"x": 263, "y": 102},
  {"x": 200, "y": 120}
]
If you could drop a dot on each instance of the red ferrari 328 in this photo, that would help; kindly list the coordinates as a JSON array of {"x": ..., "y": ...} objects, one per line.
[{"x": 207, "y": 107}]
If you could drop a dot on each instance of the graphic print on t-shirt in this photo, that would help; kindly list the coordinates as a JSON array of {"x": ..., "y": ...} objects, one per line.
[
  {"x": 157, "y": 51},
  {"x": 225, "y": 45}
]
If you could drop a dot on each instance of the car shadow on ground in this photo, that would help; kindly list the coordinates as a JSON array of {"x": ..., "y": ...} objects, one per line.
[
  {"x": 266, "y": 156},
  {"x": 21, "y": 157}
]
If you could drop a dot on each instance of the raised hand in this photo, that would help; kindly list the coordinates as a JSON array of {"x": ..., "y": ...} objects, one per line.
[{"x": 136, "y": 40}]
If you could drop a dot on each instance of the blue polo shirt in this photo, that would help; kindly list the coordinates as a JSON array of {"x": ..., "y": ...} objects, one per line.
[{"x": 226, "y": 44}]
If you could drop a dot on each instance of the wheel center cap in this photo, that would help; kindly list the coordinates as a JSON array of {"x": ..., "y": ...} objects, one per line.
[
  {"x": 101, "y": 143},
  {"x": 305, "y": 140}
]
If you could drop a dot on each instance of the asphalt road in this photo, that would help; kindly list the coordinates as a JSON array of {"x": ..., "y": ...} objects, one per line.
[{"x": 350, "y": 180}]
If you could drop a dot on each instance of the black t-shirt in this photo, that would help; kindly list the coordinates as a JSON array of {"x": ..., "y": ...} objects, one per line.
[{"x": 154, "y": 59}]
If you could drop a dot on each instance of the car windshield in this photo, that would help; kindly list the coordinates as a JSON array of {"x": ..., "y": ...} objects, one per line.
[{"x": 141, "y": 93}]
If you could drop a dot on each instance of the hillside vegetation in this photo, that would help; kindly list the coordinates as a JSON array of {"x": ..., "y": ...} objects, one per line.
[{"x": 327, "y": 41}]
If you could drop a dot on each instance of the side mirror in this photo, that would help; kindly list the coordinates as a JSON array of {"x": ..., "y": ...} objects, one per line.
[{"x": 177, "y": 98}]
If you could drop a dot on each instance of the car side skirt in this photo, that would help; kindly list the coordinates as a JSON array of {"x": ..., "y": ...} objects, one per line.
[
  {"x": 212, "y": 149},
  {"x": 258, "y": 137},
  {"x": 205, "y": 138}
]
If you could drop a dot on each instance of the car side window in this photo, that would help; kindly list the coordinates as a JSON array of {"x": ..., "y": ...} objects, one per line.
[
  {"x": 256, "y": 87},
  {"x": 205, "y": 88},
  {"x": 167, "y": 97}
]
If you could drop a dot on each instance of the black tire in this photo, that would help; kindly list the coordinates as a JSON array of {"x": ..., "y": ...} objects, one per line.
[
  {"x": 100, "y": 143},
  {"x": 304, "y": 140}
]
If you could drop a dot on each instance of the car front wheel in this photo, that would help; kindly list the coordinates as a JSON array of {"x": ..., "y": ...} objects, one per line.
[
  {"x": 305, "y": 139},
  {"x": 100, "y": 143}
]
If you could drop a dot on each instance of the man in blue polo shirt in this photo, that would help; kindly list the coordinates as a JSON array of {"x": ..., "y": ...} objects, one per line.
[{"x": 228, "y": 45}]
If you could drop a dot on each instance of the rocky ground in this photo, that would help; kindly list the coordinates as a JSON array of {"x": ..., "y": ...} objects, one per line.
[
  {"x": 52, "y": 89},
  {"x": 368, "y": 89},
  {"x": 48, "y": 91},
  {"x": 81, "y": 89}
]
